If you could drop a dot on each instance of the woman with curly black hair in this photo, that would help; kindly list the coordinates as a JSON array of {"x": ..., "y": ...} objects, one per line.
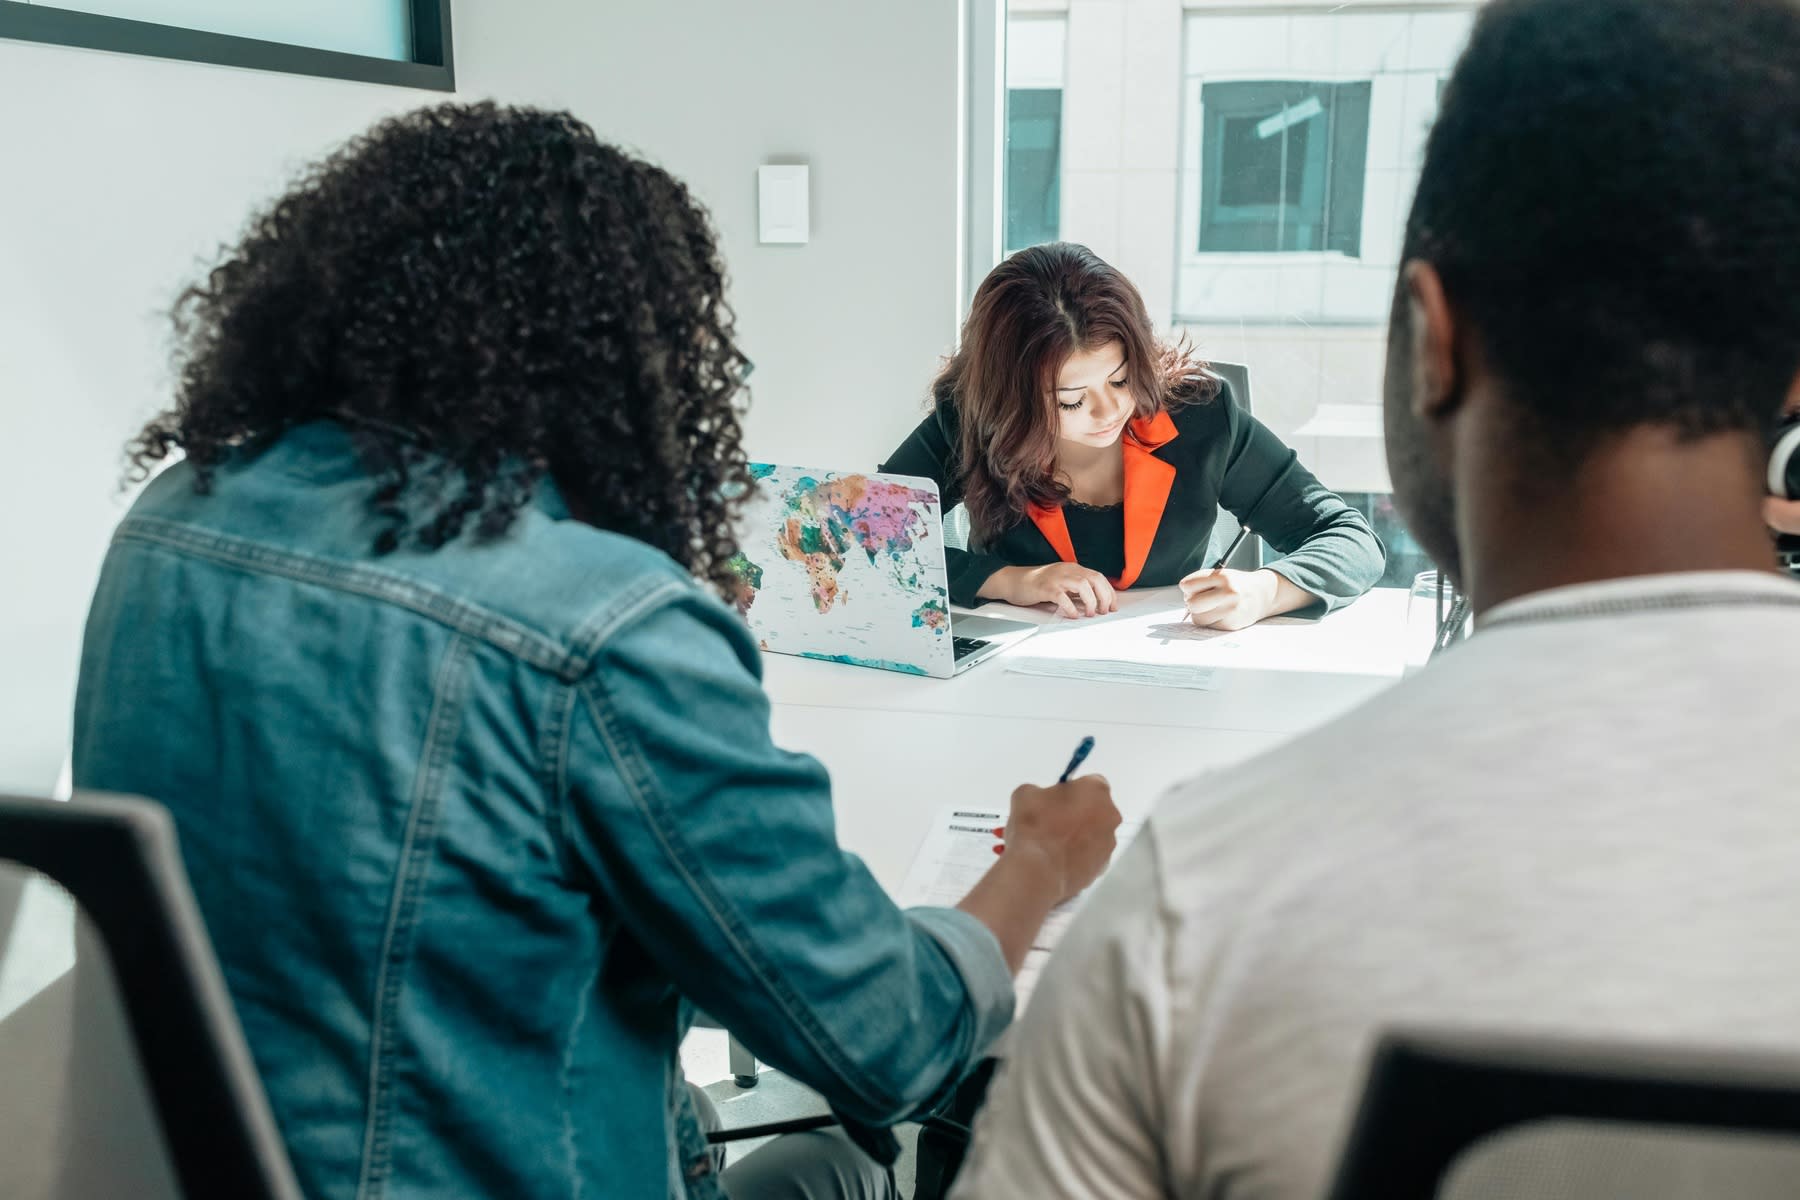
[
  {"x": 474, "y": 782},
  {"x": 482, "y": 298}
]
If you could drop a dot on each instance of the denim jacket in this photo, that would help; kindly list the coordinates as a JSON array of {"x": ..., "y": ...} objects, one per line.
[{"x": 474, "y": 829}]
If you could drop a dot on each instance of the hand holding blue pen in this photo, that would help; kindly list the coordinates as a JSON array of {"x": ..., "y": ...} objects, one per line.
[
  {"x": 1080, "y": 756},
  {"x": 1068, "y": 831}
]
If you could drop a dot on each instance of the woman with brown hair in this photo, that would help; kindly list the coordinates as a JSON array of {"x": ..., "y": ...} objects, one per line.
[{"x": 1092, "y": 457}]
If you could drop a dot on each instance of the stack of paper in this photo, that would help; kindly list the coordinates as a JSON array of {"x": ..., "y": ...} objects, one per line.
[{"x": 1161, "y": 649}]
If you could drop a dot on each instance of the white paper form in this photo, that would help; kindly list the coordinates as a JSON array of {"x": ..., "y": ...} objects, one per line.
[
  {"x": 1161, "y": 649},
  {"x": 958, "y": 851}
]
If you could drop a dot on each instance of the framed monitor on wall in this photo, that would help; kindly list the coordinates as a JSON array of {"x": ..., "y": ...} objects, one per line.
[{"x": 405, "y": 43}]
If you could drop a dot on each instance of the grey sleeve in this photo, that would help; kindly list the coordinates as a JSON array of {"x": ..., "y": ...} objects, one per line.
[{"x": 1328, "y": 548}]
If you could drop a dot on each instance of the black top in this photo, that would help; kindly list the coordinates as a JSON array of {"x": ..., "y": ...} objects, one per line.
[
  {"x": 1221, "y": 457},
  {"x": 1098, "y": 534}
]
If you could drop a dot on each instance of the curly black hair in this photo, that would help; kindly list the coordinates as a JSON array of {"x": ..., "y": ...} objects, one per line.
[
  {"x": 484, "y": 295},
  {"x": 1611, "y": 193}
]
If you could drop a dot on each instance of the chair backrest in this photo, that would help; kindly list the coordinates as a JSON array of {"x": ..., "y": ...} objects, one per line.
[
  {"x": 126, "y": 1072},
  {"x": 1456, "y": 1116},
  {"x": 1249, "y": 556}
]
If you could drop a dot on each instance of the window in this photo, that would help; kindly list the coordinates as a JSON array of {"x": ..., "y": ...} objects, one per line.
[
  {"x": 1033, "y": 170},
  {"x": 1405, "y": 558},
  {"x": 1304, "y": 128},
  {"x": 1032, "y": 186},
  {"x": 404, "y": 42},
  {"x": 1249, "y": 166},
  {"x": 1283, "y": 166}
]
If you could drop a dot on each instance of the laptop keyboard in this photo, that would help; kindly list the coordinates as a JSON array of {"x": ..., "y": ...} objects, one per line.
[{"x": 966, "y": 646}]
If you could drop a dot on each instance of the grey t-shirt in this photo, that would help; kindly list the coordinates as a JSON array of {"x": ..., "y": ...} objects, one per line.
[{"x": 1584, "y": 821}]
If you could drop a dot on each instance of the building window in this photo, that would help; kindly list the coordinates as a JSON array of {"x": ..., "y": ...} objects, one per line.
[
  {"x": 1282, "y": 166},
  {"x": 1033, "y": 166},
  {"x": 1036, "y": 76}
]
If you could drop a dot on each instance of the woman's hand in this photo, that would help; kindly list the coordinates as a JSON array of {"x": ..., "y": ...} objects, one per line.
[
  {"x": 1227, "y": 599},
  {"x": 1073, "y": 589}
]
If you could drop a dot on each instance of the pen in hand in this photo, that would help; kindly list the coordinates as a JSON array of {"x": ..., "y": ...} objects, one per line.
[
  {"x": 1242, "y": 533},
  {"x": 1075, "y": 760},
  {"x": 1079, "y": 757}
]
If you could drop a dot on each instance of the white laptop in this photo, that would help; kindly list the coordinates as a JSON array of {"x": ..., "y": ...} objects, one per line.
[{"x": 849, "y": 568}]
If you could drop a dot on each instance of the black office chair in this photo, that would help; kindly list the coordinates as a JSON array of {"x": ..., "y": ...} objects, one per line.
[
  {"x": 127, "y": 1074},
  {"x": 1249, "y": 556},
  {"x": 1455, "y": 1116}
]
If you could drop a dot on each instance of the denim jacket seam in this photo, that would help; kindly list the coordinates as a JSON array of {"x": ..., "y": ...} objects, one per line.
[
  {"x": 635, "y": 772},
  {"x": 608, "y": 619},
  {"x": 565, "y": 1083},
  {"x": 589, "y": 638},
  {"x": 396, "y": 944},
  {"x": 461, "y": 615},
  {"x": 553, "y": 756}
]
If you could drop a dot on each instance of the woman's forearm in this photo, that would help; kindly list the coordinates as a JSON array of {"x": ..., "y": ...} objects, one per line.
[{"x": 1002, "y": 584}]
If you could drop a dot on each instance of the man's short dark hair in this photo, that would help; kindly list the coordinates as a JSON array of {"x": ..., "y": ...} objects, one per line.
[{"x": 1612, "y": 197}]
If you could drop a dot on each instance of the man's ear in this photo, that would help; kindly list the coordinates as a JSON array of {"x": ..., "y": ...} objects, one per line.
[{"x": 1437, "y": 386}]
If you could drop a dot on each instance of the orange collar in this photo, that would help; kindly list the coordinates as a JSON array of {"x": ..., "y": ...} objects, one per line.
[
  {"x": 1153, "y": 433},
  {"x": 1148, "y": 481}
]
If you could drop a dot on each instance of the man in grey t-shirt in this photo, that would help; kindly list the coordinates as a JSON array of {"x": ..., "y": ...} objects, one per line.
[{"x": 1584, "y": 821}]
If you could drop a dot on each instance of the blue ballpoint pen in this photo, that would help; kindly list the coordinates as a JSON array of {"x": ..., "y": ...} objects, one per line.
[{"x": 1079, "y": 757}]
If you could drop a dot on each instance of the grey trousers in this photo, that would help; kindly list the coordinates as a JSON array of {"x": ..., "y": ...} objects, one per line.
[{"x": 821, "y": 1164}]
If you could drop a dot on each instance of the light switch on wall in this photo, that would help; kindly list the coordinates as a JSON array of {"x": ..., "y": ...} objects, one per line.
[{"x": 783, "y": 210}]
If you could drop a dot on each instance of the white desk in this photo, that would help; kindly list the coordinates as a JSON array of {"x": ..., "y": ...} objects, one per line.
[{"x": 899, "y": 747}]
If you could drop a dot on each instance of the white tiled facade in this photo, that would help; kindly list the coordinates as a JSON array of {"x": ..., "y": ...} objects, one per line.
[{"x": 1310, "y": 325}]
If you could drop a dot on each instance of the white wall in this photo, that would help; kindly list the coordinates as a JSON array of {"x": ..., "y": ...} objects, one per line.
[
  {"x": 845, "y": 331},
  {"x": 115, "y": 174},
  {"x": 118, "y": 175}
]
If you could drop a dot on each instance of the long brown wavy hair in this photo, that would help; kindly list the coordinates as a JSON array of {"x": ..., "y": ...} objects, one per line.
[{"x": 1030, "y": 314}]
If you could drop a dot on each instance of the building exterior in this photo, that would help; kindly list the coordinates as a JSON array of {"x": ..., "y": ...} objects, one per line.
[{"x": 1250, "y": 166}]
